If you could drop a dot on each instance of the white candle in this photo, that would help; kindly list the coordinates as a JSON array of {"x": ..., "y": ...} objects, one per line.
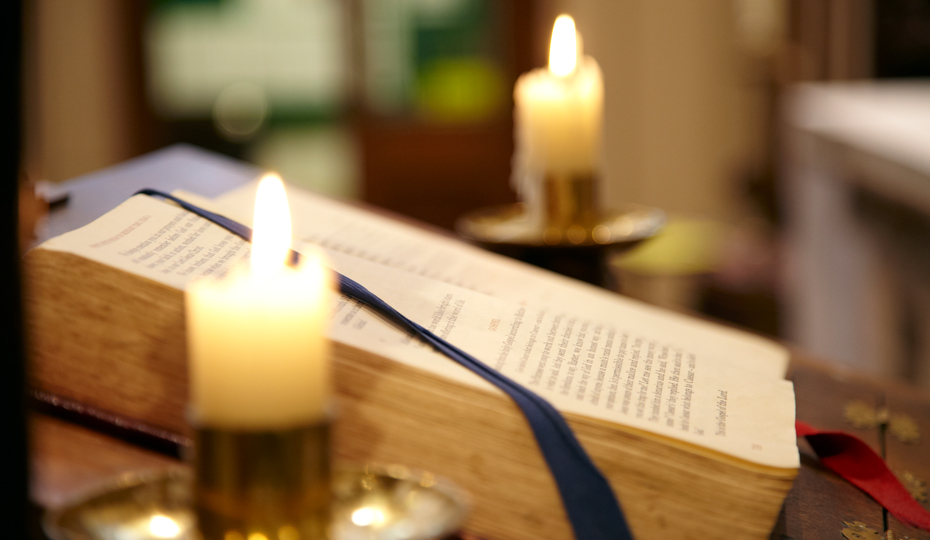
[
  {"x": 257, "y": 345},
  {"x": 558, "y": 114}
]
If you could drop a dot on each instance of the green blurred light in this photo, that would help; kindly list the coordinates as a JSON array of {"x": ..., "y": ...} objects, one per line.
[{"x": 460, "y": 90}]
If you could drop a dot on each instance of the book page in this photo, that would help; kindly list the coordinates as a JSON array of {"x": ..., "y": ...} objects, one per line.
[
  {"x": 579, "y": 363},
  {"x": 157, "y": 240},
  {"x": 339, "y": 227},
  {"x": 605, "y": 368}
]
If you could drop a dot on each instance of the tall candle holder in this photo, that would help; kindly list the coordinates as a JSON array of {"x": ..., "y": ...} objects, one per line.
[{"x": 263, "y": 485}]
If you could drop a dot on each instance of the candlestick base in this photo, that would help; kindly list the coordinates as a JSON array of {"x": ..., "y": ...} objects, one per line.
[
  {"x": 578, "y": 248},
  {"x": 372, "y": 502},
  {"x": 263, "y": 485}
]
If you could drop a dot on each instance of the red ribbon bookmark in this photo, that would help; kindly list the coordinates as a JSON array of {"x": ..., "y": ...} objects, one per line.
[{"x": 849, "y": 457}]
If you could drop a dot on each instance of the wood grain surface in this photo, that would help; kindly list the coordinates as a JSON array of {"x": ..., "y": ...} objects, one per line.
[{"x": 820, "y": 501}]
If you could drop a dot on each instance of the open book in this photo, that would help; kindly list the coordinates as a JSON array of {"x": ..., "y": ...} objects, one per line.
[{"x": 691, "y": 422}]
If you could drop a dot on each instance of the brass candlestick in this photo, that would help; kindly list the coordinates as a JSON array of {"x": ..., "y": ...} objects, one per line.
[
  {"x": 570, "y": 209},
  {"x": 263, "y": 485},
  {"x": 574, "y": 237}
]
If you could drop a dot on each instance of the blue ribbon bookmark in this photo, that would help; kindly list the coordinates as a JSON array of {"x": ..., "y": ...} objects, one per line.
[{"x": 589, "y": 501}]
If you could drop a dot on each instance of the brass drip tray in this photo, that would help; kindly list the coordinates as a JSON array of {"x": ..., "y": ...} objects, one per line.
[
  {"x": 509, "y": 225},
  {"x": 370, "y": 503}
]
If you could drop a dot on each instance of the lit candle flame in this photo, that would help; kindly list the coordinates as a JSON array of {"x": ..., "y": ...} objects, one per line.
[
  {"x": 271, "y": 235},
  {"x": 563, "y": 49}
]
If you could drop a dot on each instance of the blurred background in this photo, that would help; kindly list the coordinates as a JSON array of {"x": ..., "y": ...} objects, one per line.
[{"x": 752, "y": 123}]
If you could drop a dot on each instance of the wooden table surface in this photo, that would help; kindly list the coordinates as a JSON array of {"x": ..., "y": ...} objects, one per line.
[
  {"x": 69, "y": 459},
  {"x": 820, "y": 501}
]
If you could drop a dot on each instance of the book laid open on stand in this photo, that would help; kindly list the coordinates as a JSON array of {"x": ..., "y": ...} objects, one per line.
[{"x": 692, "y": 423}]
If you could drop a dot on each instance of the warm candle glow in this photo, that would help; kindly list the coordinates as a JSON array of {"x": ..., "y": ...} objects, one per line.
[
  {"x": 271, "y": 235},
  {"x": 163, "y": 527},
  {"x": 563, "y": 49}
]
